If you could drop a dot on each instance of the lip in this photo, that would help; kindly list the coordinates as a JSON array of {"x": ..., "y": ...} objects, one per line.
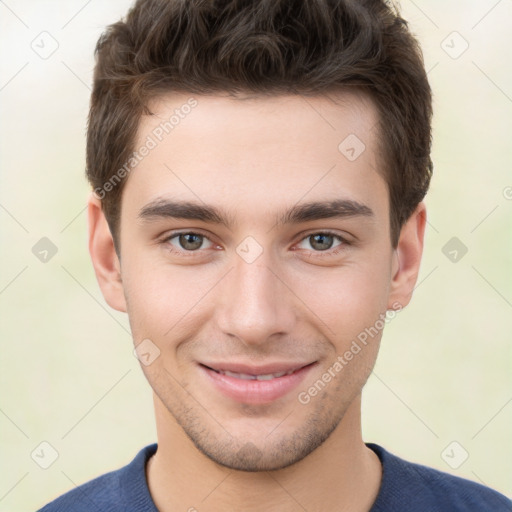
[
  {"x": 256, "y": 370},
  {"x": 256, "y": 391}
]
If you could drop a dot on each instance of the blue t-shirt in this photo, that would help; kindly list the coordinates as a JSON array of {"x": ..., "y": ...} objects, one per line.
[{"x": 405, "y": 486}]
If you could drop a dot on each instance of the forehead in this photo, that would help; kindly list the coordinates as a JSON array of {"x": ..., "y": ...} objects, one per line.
[
  {"x": 237, "y": 118},
  {"x": 258, "y": 152}
]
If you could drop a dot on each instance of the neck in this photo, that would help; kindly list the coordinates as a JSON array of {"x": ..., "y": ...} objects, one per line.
[{"x": 341, "y": 474}]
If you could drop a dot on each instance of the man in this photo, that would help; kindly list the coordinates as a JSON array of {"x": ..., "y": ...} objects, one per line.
[{"x": 258, "y": 172}]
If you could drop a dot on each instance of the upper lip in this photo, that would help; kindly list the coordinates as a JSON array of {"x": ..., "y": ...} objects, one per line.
[{"x": 250, "y": 369}]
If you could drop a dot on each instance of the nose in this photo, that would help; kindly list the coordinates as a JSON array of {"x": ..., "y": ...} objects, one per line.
[{"x": 255, "y": 302}]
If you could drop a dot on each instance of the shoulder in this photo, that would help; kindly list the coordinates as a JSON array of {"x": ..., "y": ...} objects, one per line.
[
  {"x": 409, "y": 486},
  {"x": 114, "y": 491}
]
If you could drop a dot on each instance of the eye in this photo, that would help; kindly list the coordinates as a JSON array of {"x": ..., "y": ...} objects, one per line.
[
  {"x": 322, "y": 241},
  {"x": 187, "y": 242}
]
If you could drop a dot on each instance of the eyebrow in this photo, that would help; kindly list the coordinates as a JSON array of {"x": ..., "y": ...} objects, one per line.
[{"x": 315, "y": 210}]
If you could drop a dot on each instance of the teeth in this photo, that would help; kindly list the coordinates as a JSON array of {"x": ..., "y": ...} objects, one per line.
[
  {"x": 246, "y": 376},
  {"x": 269, "y": 376}
]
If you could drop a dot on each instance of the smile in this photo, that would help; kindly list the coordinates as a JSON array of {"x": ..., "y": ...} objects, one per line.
[
  {"x": 254, "y": 385},
  {"x": 246, "y": 376}
]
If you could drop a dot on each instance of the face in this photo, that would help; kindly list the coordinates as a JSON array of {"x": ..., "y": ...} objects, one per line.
[{"x": 255, "y": 251}]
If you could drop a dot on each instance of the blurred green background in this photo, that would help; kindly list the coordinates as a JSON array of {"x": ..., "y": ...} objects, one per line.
[{"x": 68, "y": 376}]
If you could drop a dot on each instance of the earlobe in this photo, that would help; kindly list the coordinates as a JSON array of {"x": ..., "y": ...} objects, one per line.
[
  {"x": 104, "y": 258},
  {"x": 407, "y": 259}
]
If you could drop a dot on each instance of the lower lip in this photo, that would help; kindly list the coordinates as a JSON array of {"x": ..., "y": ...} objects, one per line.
[{"x": 256, "y": 391}]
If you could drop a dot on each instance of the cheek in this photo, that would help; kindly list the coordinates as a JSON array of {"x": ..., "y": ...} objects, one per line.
[
  {"x": 149, "y": 294},
  {"x": 162, "y": 300},
  {"x": 347, "y": 299}
]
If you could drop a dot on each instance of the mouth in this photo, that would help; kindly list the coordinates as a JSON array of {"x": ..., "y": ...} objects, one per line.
[
  {"x": 255, "y": 385},
  {"x": 248, "y": 376}
]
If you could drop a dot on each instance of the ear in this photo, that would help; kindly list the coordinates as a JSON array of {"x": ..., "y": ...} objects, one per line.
[
  {"x": 104, "y": 258},
  {"x": 407, "y": 259}
]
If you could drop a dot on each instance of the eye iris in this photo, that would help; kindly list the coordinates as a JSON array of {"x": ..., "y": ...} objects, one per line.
[
  {"x": 190, "y": 241},
  {"x": 322, "y": 245}
]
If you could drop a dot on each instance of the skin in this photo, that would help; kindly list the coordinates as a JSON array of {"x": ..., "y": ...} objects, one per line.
[{"x": 292, "y": 303}]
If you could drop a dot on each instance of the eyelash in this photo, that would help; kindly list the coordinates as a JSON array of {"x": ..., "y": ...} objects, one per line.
[{"x": 343, "y": 242}]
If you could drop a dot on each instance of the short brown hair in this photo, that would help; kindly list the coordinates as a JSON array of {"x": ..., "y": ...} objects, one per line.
[{"x": 263, "y": 47}]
